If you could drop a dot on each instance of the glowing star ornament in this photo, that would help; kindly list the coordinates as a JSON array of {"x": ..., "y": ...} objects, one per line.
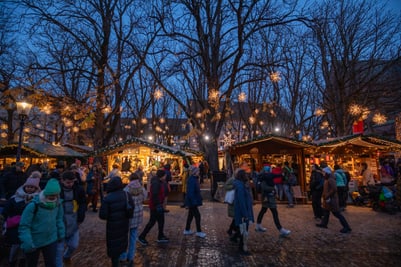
[
  {"x": 242, "y": 97},
  {"x": 379, "y": 118},
  {"x": 275, "y": 76},
  {"x": 214, "y": 95},
  {"x": 158, "y": 94}
]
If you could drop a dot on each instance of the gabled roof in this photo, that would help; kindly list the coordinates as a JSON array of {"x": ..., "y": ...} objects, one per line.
[
  {"x": 359, "y": 141},
  {"x": 272, "y": 144},
  {"x": 39, "y": 150},
  {"x": 134, "y": 141}
]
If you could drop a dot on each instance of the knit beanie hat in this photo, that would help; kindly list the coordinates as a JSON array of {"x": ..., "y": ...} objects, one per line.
[
  {"x": 32, "y": 182},
  {"x": 52, "y": 187}
]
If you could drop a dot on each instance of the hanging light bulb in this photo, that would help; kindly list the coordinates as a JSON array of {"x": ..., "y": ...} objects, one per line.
[
  {"x": 158, "y": 94},
  {"x": 242, "y": 97}
]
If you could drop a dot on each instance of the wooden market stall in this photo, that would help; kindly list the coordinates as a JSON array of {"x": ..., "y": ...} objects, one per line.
[
  {"x": 273, "y": 149},
  {"x": 36, "y": 153},
  {"x": 136, "y": 152},
  {"x": 350, "y": 151}
]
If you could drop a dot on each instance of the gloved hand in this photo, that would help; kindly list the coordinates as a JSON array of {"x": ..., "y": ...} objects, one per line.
[{"x": 159, "y": 209}]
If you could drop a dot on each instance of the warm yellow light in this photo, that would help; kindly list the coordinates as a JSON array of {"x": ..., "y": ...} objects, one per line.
[
  {"x": 275, "y": 76},
  {"x": 379, "y": 118},
  {"x": 242, "y": 97},
  {"x": 158, "y": 94}
]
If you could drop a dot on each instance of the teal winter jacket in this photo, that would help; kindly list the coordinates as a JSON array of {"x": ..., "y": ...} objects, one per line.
[{"x": 40, "y": 226}]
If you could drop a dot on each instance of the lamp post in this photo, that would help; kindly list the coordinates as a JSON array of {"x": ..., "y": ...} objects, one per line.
[{"x": 23, "y": 109}]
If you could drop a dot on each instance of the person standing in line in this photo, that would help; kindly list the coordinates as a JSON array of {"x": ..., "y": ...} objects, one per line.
[
  {"x": 341, "y": 182},
  {"x": 287, "y": 170},
  {"x": 42, "y": 225},
  {"x": 94, "y": 185},
  {"x": 269, "y": 202},
  {"x": 74, "y": 205},
  {"x": 330, "y": 202},
  {"x": 243, "y": 209},
  {"x": 114, "y": 210},
  {"x": 184, "y": 178},
  {"x": 193, "y": 200},
  {"x": 12, "y": 214},
  {"x": 156, "y": 199},
  {"x": 138, "y": 194},
  {"x": 316, "y": 188}
]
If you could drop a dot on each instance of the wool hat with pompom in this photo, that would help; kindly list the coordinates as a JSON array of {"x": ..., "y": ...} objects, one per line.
[
  {"x": 32, "y": 182},
  {"x": 52, "y": 187}
]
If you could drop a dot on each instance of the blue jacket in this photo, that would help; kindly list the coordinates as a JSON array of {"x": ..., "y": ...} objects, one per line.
[
  {"x": 243, "y": 206},
  {"x": 40, "y": 226},
  {"x": 193, "y": 196}
]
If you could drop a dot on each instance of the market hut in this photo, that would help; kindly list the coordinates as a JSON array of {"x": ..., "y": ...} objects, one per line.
[
  {"x": 351, "y": 151},
  {"x": 136, "y": 152},
  {"x": 273, "y": 149}
]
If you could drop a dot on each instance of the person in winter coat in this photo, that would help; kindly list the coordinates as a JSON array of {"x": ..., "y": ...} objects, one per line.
[
  {"x": 243, "y": 209},
  {"x": 12, "y": 214},
  {"x": 316, "y": 188},
  {"x": 138, "y": 194},
  {"x": 74, "y": 205},
  {"x": 330, "y": 202},
  {"x": 342, "y": 185},
  {"x": 233, "y": 229},
  {"x": 42, "y": 225},
  {"x": 113, "y": 210},
  {"x": 184, "y": 178},
  {"x": 156, "y": 199},
  {"x": 269, "y": 202},
  {"x": 367, "y": 175},
  {"x": 11, "y": 180},
  {"x": 193, "y": 200},
  {"x": 94, "y": 185}
]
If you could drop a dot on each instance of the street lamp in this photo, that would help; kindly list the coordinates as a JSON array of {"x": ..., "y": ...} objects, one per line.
[{"x": 23, "y": 109}]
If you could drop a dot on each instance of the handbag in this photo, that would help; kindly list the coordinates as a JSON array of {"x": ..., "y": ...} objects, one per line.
[
  {"x": 129, "y": 211},
  {"x": 13, "y": 221},
  {"x": 229, "y": 197}
]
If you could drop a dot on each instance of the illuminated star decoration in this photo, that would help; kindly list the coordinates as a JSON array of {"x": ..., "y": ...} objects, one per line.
[
  {"x": 228, "y": 140},
  {"x": 275, "y": 76},
  {"x": 158, "y": 94},
  {"x": 242, "y": 97},
  {"x": 379, "y": 118}
]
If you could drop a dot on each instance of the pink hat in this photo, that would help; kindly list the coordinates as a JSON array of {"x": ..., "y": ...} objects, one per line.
[{"x": 32, "y": 182}]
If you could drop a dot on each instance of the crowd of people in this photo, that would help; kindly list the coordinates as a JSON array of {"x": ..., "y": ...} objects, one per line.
[{"x": 44, "y": 208}]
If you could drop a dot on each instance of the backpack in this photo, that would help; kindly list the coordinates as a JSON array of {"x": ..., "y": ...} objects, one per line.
[{"x": 290, "y": 177}]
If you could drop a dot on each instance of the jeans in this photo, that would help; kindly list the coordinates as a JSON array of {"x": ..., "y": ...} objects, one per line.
[
  {"x": 275, "y": 216},
  {"x": 317, "y": 203},
  {"x": 280, "y": 191},
  {"x": 154, "y": 217},
  {"x": 130, "y": 254},
  {"x": 288, "y": 193},
  {"x": 49, "y": 256},
  {"x": 71, "y": 245},
  {"x": 193, "y": 212}
]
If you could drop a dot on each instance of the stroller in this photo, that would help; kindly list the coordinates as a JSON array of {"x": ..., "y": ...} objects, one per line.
[
  {"x": 381, "y": 197},
  {"x": 360, "y": 197}
]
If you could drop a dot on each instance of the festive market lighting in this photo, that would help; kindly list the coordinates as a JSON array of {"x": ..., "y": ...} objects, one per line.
[
  {"x": 202, "y": 125},
  {"x": 127, "y": 126},
  {"x": 47, "y": 109},
  {"x": 319, "y": 112},
  {"x": 256, "y": 111},
  {"x": 54, "y": 131},
  {"x": 379, "y": 118},
  {"x": 277, "y": 129},
  {"x": 4, "y": 126},
  {"x": 38, "y": 125},
  {"x": 243, "y": 126},
  {"x": 198, "y": 115},
  {"x": 158, "y": 129},
  {"x": 75, "y": 129},
  {"x": 162, "y": 120},
  {"x": 275, "y": 76},
  {"x": 158, "y": 94},
  {"x": 144, "y": 120},
  {"x": 252, "y": 120},
  {"x": 67, "y": 122},
  {"x": 3, "y": 135},
  {"x": 242, "y": 97},
  {"x": 106, "y": 110},
  {"x": 261, "y": 123},
  {"x": 214, "y": 95}
]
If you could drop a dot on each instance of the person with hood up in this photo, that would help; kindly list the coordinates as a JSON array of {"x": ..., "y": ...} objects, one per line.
[
  {"x": 12, "y": 214},
  {"x": 330, "y": 202},
  {"x": 138, "y": 194},
  {"x": 114, "y": 210},
  {"x": 243, "y": 209},
  {"x": 42, "y": 225},
  {"x": 193, "y": 200}
]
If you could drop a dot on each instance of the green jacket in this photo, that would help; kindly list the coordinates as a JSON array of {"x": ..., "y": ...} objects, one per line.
[{"x": 40, "y": 226}]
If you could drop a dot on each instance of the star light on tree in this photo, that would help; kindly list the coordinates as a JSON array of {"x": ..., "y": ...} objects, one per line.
[
  {"x": 275, "y": 76},
  {"x": 228, "y": 140},
  {"x": 379, "y": 118},
  {"x": 158, "y": 94},
  {"x": 242, "y": 97}
]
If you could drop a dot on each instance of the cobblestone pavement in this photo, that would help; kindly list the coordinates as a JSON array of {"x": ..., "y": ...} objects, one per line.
[{"x": 375, "y": 240}]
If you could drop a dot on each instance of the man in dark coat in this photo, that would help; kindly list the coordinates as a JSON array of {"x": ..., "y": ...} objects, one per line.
[
  {"x": 113, "y": 210},
  {"x": 12, "y": 180}
]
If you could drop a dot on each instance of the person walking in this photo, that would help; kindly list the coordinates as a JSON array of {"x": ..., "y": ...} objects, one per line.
[
  {"x": 114, "y": 210},
  {"x": 11, "y": 180},
  {"x": 269, "y": 202},
  {"x": 316, "y": 188},
  {"x": 184, "y": 178},
  {"x": 42, "y": 226},
  {"x": 12, "y": 214},
  {"x": 243, "y": 209},
  {"x": 74, "y": 205},
  {"x": 330, "y": 203},
  {"x": 341, "y": 182},
  {"x": 287, "y": 170},
  {"x": 138, "y": 194},
  {"x": 193, "y": 200},
  {"x": 233, "y": 229},
  {"x": 156, "y": 199}
]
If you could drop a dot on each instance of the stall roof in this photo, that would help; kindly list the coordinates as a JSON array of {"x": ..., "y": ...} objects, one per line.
[
  {"x": 138, "y": 141},
  {"x": 39, "y": 150},
  {"x": 359, "y": 142},
  {"x": 271, "y": 143}
]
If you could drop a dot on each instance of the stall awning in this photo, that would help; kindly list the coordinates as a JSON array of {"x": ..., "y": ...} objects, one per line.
[
  {"x": 39, "y": 150},
  {"x": 133, "y": 142}
]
